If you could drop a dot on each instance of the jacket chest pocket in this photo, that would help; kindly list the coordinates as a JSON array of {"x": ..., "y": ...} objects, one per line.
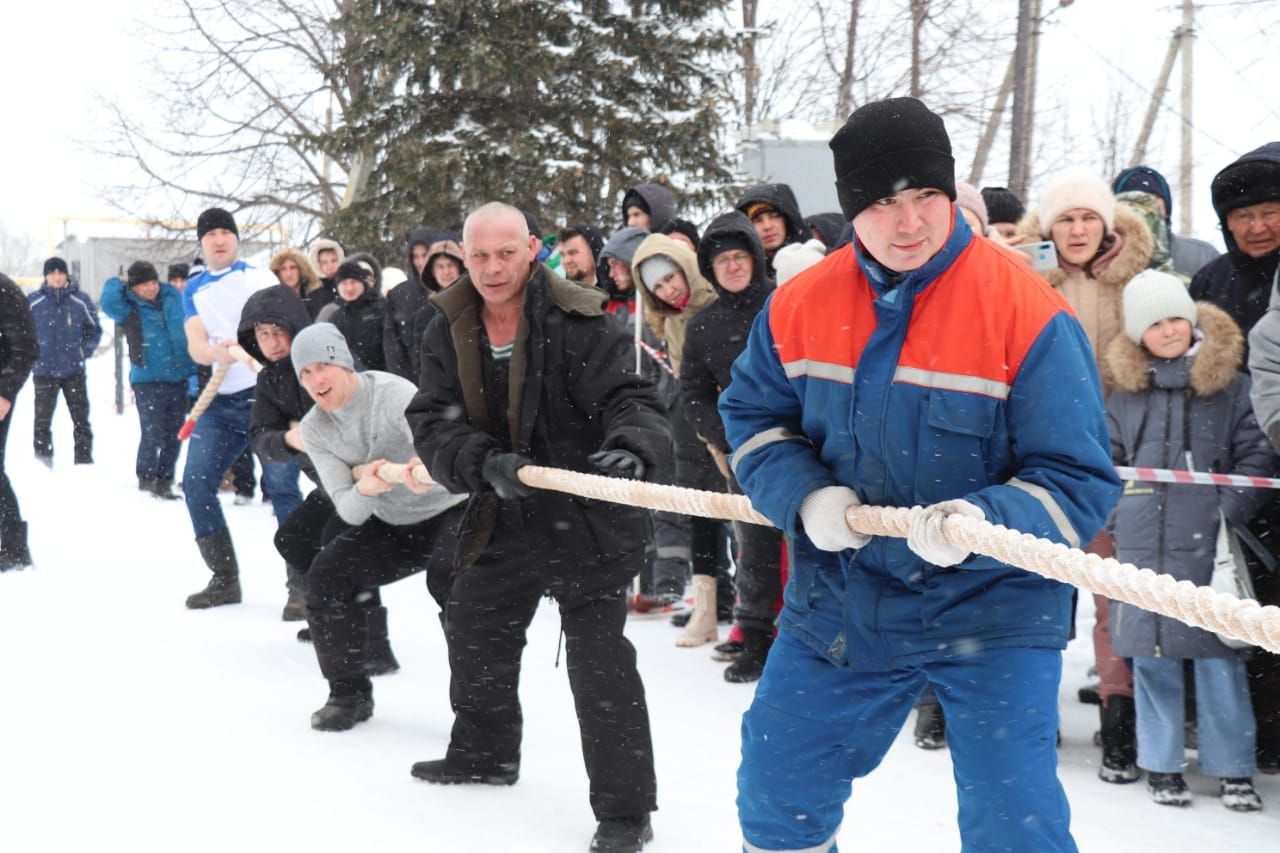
[{"x": 954, "y": 449}]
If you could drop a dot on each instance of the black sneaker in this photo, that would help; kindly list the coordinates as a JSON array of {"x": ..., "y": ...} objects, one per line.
[
  {"x": 341, "y": 713},
  {"x": 622, "y": 835},
  {"x": 931, "y": 727},
  {"x": 438, "y": 773},
  {"x": 1168, "y": 789},
  {"x": 728, "y": 651},
  {"x": 1118, "y": 771},
  {"x": 1239, "y": 795}
]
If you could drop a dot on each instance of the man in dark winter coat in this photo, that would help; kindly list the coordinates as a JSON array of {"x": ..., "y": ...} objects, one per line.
[
  {"x": 271, "y": 319},
  {"x": 775, "y": 213},
  {"x": 648, "y": 206},
  {"x": 68, "y": 330},
  {"x": 18, "y": 353},
  {"x": 830, "y": 228},
  {"x": 1188, "y": 254},
  {"x": 1246, "y": 196},
  {"x": 732, "y": 258},
  {"x": 524, "y": 368},
  {"x": 404, "y": 301},
  {"x": 579, "y": 245},
  {"x": 360, "y": 312}
]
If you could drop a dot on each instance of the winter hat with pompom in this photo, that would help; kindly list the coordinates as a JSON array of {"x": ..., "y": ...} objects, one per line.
[{"x": 1151, "y": 296}]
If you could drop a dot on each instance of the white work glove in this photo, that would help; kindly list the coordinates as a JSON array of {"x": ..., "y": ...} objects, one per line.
[
  {"x": 822, "y": 514},
  {"x": 926, "y": 539}
]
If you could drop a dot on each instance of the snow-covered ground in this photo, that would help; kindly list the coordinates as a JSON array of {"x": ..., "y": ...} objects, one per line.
[{"x": 129, "y": 722}]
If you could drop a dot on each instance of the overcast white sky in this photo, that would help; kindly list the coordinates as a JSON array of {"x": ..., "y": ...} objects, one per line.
[{"x": 61, "y": 55}]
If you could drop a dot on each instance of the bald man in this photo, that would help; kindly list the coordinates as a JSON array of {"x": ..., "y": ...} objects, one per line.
[{"x": 523, "y": 367}]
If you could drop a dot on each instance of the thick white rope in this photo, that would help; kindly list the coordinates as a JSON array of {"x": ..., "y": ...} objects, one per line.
[
  {"x": 211, "y": 388},
  {"x": 1200, "y": 606}
]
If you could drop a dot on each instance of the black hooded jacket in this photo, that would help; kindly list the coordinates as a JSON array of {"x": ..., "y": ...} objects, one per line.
[
  {"x": 19, "y": 348},
  {"x": 403, "y": 304},
  {"x": 658, "y": 200},
  {"x": 361, "y": 322},
  {"x": 1235, "y": 282},
  {"x": 783, "y": 200},
  {"x": 279, "y": 399},
  {"x": 833, "y": 227},
  {"x": 718, "y": 334}
]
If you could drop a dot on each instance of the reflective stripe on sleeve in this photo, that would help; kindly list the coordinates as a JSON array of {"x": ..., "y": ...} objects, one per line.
[
  {"x": 819, "y": 370},
  {"x": 952, "y": 382},
  {"x": 762, "y": 439},
  {"x": 1046, "y": 500}
]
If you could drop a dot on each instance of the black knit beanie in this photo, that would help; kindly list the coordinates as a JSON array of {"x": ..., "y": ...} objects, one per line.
[
  {"x": 141, "y": 272},
  {"x": 1002, "y": 205},
  {"x": 684, "y": 227},
  {"x": 55, "y": 264},
  {"x": 181, "y": 271},
  {"x": 215, "y": 217},
  {"x": 889, "y": 146}
]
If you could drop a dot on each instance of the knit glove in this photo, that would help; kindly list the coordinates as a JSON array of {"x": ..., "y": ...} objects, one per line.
[
  {"x": 822, "y": 514},
  {"x": 500, "y": 472},
  {"x": 618, "y": 463},
  {"x": 926, "y": 539}
]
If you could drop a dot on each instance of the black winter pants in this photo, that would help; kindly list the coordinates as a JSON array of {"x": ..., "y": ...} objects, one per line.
[
  {"x": 10, "y": 515},
  {"x": 695, "y": 469},
  {"x": 759, "y": 572},
  {"x": 73, "y": 388},
  {"x": 363, "y": 558},
  {"x": 489, "y": 610},
  {"x": 304, "y": 533}
]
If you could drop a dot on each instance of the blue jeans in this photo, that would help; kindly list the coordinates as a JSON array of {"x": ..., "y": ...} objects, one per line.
[
  {"x": 161, "y": 409},
  {"x": 281, "y": 482},
  {"x": 813, "y": 728},
  {"x": 1225, "y": 728},
  {"x": 220, "y": 436}
]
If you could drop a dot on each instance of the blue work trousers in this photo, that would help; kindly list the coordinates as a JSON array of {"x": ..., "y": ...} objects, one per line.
[{"x": 813, "y": 728}]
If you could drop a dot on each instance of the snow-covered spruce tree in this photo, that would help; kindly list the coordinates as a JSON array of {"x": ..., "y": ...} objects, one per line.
[{"x": 553, "y": 105}]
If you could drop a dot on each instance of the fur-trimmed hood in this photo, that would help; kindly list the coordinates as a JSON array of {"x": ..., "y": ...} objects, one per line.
[
  {"x": 1214, "y": 366},
  {"x": 309, "y": 275},
  {"x": 1134, "y": 255}
]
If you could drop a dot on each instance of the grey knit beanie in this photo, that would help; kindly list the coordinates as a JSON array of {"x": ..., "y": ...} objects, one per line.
[{"x": 321, "y": 343}]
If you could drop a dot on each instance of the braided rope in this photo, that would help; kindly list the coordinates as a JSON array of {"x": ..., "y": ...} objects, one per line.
[{"x": 211, "y": 388}]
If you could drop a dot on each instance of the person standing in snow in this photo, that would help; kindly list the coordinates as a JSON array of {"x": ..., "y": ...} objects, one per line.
[
  {"x": 150, "y": 315},
  {"x": 390, "y": 530},
  {"x": 18, "y": 353},
  {"x": 523, "y": 367},
  {"x": 775, "y": 213},
  {"x": 68, "y": 330},
  {"x": 928, "y": 419},
  {"x": 212, "y": 304}
]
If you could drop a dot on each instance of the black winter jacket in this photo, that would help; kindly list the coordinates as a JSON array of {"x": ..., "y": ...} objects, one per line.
[
  {"x": 783, "y": 200},
  {"x": 279, "y": 399},
  {"x": 718, "y": 334},
  {"x": 572, "y": 392},
  {"x": 361, "y": 323},
  {"x": 18, "y": 346},
  {"x": 403, "y": 304}
]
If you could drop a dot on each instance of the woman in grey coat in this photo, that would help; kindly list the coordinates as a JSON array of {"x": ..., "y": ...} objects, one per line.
[{"x": 1180, "y": 401}]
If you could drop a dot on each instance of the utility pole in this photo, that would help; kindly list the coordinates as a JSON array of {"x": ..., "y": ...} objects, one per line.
[
  {"x": 1017, "y": 136},
  {"x": 1029, "y": 122},
  {"x": 1157, "y": 95},
  {"x": 1184, "y": 175},
  {"x": 993, "y": 126}
]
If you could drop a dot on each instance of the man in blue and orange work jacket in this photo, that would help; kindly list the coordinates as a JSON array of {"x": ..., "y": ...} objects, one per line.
[{"x": 920, "y": 365}]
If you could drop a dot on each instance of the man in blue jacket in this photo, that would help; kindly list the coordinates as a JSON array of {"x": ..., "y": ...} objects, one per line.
[
  {"x": 149, "y": 313},
  {"x": 68, "y": 331},
  {"x": 917, "y": 366}
]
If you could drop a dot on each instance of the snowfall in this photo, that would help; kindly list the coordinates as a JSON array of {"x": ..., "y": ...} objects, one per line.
[{"x": 133, "y": 723}]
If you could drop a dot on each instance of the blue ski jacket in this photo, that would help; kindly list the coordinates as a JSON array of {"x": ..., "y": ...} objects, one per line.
[{"x": 67, "y": 328}]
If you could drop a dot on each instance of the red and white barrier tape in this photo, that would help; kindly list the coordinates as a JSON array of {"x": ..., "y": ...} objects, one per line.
[
  {"x": 1196, "y": 478},
  {"x": 658, "y": 356}
]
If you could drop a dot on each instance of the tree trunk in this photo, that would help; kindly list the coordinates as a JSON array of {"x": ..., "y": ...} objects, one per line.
[{"x": 844, "y": 102}]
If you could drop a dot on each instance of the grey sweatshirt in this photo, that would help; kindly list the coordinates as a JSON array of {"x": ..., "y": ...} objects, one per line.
[{"x": 371, "y": 426}]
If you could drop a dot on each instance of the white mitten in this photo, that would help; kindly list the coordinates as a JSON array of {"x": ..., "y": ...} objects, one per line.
[
  {"x": 822, "y": 514},
  {"x": 929, "y": 543}
]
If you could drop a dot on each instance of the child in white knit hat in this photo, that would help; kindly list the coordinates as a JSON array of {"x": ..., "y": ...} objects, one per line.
[{"x": 1181, "y": 402}]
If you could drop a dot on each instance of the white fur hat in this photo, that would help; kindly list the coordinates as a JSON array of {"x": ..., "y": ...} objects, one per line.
[
  {"x": 1151, "y": 296},
  {"x": 1075, "y": 188},
  {"x": 794, "y": 258}
]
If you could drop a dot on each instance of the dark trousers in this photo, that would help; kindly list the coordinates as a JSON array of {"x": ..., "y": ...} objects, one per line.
[
  {"x": 161, "y": 410},
  {"x": 73, "y": 388},
  {"x": 363, "y": 558},
  {"x": 1264, "y": 678},
  {"x": 314, "y": 523},
  {"x": 708, "y": 538},
  {"x": 759, "y": 572},
  {"x": 10, "y": 515},
  {"x": 489, "y": 610}
]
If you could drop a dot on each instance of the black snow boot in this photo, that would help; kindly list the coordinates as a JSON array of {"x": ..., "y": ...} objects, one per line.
[
  {"x": 749, "y": 665},
  {"x": 295, "y": 608},
  {"x": 622, "y": 835},
  {"x": 1119, "y": 745},
  {"x": 439, "y": 773},
  {"x": 348, "y": 704},
  {"x": 931, "y": 726},
  {"x": 1168, "y": 789},
  {"x": 378, "y": 658},
  {"x": 220, "y": 556},
  {"x": 163, "y": 489},
  {"x": 13, "y": 547}
]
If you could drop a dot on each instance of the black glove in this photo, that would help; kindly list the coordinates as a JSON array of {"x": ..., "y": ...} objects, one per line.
[
  {"x": 618, "y": 463},
  {"x": 500, "y": 471}
]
